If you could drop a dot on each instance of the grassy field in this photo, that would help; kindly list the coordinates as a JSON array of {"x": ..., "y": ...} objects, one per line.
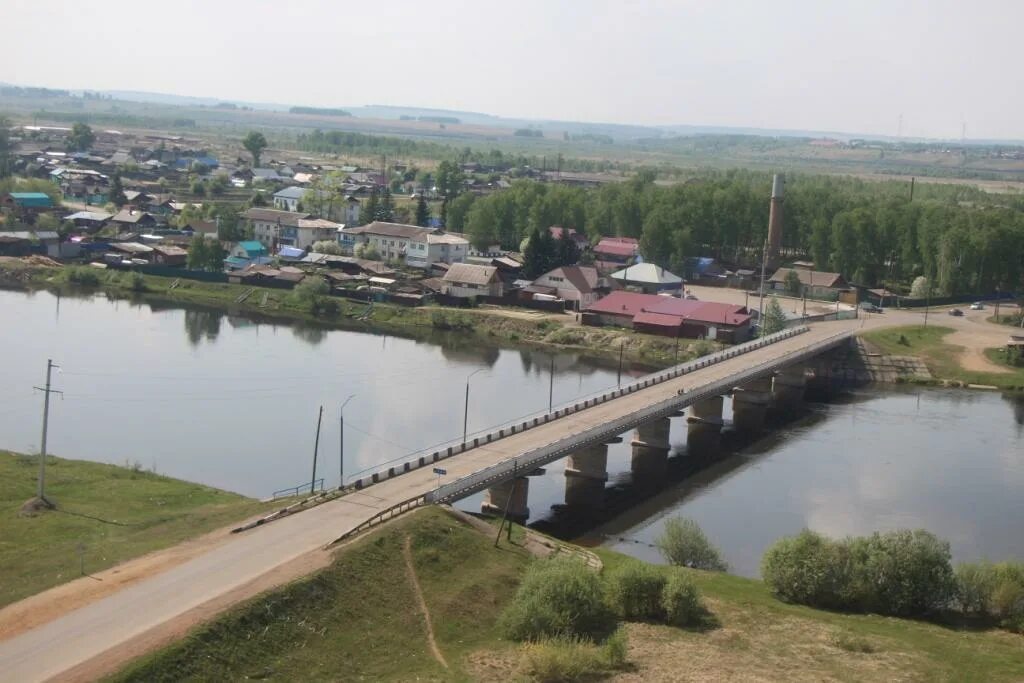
[
  {"x": 115, "y": 513},
  {"x": 942, "y": 358},
  {"x": 357, "y": 620}
]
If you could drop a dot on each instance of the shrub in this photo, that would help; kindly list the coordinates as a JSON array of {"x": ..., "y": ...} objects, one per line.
[
  {"x": 562, "y": 659},
  {"x": 310, "y": 293},
  {"x": 635, "y": 591},
  {"x": 616, "y": 649},
  {"x": 993, "y": 591},
  {"x": 558, "y": 597},
  {"x": 680, "y": 601},
  {"x": 684, "y": 544},
  {"x": 808, "y": 569},
  {"x": 84, "y": 276},
  {"x": 135, "y": 281},
  {"x": 906, "y": 573}
]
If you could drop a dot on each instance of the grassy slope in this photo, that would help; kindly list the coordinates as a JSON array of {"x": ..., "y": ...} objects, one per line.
[
  {"x": 941, "y": 358},
  {"x": 152, "y": 512},
  {"x": 357, "y": 621}
]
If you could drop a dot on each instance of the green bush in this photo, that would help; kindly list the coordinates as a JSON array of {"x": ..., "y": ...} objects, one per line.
[
  {"x": 310, "y": 294},
  {"x": 993, "y": 591},
  {"x": 905, "y": 573},
  {"x": 684, "y": 544},
  {"x": 808, "y": 569},
  {"x": 635, "y": 591},
  {"x": 616, "y": 649},
  {"x": 571, "y": 658},
  {"x": 680, "y": 601},
  {"x": 85, "y": 276},
  {"x": 560, "y": 597}
]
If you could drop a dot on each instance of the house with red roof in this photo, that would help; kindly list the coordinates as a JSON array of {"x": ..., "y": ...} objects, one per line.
[
  {"x": 671, "y": 317},
  {"x": 611, "y": 253}
]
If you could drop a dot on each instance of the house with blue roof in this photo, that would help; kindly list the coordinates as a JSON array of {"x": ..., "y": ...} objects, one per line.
[
  {"x": 246, "y": 253},
  {"x": 26, "y": 205}
]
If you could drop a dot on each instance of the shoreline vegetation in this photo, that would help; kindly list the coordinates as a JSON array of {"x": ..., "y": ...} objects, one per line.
[
  {"x": 519, "y": 328},
  {"x": 106, "y": 514}
]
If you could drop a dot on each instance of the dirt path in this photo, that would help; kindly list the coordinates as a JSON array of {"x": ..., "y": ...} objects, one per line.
[{"x": 431, "y": 641}]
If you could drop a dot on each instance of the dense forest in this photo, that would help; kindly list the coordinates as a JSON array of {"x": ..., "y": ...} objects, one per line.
[{"x": 960, "y": 237}]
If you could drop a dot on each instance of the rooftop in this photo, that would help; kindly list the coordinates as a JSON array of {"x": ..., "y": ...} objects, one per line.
[
  {"x": 632, "y": 304},
  {"x": 647, "y": 273},
  {"x": 291, "y": 193},
  {"x": 467, "y": 273},
  {"x": 391, "y": 230},
  {"x": 811, "y": 278},
  {"x": 289, "y": 218}
]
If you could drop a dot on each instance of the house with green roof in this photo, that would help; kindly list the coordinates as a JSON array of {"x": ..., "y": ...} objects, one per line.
[
  {"x": 246, "y": 253},
  {"x": 26, "y": 204}
]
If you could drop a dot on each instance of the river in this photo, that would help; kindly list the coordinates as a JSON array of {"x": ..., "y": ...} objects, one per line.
[{"x": 232, "y": 402}]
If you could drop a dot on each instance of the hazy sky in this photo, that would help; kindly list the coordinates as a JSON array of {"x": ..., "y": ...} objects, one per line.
[{"x": 853, "y": 66}]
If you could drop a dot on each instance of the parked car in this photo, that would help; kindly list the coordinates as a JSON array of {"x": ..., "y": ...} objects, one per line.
[
  {"x": 869, "y": 307},
  {"x": 956, "y": 311},
  {"x": 977, "y": 306}
]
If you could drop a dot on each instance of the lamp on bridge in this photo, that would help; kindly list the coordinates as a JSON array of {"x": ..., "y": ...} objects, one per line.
[{"x": 465, "y": 412}]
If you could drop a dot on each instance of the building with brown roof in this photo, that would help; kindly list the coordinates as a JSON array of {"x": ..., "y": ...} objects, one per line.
[
  {"x": 465, "y": 280},
  {"x": 578, "y": 284},
  {"x": 815, "y": 284}
]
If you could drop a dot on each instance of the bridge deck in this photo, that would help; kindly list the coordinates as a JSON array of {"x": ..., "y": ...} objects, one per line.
[{"x": 110, "y": 621}]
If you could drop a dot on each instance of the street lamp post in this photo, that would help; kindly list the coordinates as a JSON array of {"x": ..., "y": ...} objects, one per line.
[
  {"x": 341, "y": 442},
  {"x": 465, "y": 412}
]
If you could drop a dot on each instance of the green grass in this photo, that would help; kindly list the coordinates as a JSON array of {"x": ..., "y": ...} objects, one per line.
[
  {"x": 942, "y": 358},
  {"x": 115, "y": 513},
  {"x": 357, "y": 619},
  {"x": 931, "y": 652}
]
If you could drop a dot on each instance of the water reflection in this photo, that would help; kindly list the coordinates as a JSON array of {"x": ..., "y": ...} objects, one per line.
[{"x": 200, "y": 325}]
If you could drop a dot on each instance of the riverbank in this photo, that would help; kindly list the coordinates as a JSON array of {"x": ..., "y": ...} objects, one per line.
[
  {"x": 353, "y": 620},
  {"x": 105, "y": 515},
  {"x": 945, "y": 361},
  {"x": 523, "y": 328}
]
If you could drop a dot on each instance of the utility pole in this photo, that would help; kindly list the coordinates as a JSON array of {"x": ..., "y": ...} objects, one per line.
[
  {"x": 465, "y": 412},
  {"x": 622, "y": 347},
  {"x": 760, "y": 310},
  {"x": 551, "y": 385},
  {"x": 41, "y": 490},
  {"x": 927, "y": 302},
  {"x": 316, "y": 447},
  {"x": 341, "y": 442}
]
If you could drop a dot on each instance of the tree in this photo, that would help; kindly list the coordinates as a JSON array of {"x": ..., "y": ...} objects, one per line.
[
  {"x": 81, "y": 138},
  {"x": 5, "y": 147},
  {"x": 255, "y": 143},
  {"x": 919, "y": 289},
  {"x": 198, "y": 253},
  {"x": 683, "y": 543},
  {"x": 774, "y": 318},
  {"x": 327, "y": 247},
  {"x": 116, "y": 193},
  {"x": 793, "y": 284},
  {"x": 422, "y": 212},
  {"x": 568, "y": 252},
  {"x": 540, "y": 254},
  {"x": 369, "y": 211},
  {"x": 386, "y": 208}
]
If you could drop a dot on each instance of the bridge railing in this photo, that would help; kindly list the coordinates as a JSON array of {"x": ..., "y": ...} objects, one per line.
[
  {"x": 539, "y": 457},
  {"x": 435, "y": 454}
]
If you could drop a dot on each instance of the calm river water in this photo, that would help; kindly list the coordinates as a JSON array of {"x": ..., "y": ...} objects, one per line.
[{"x": 232, "y": 403}]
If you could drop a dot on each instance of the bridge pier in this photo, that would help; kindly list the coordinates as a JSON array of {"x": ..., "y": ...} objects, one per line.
[
  {"x": 586, "y": 471},
  {"x": 788, "y": 387},
  {"x": 750, "y": 403},
  {"x": 650, "y": 451},
  {"x": 704, "y": 426},
  {"x": 513, "y": 493}
]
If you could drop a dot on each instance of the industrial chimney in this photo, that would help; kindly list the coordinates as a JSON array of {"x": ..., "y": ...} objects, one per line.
[{"x": 775, "y": 221}]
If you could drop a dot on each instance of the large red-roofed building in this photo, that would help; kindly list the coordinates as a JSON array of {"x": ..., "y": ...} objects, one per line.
[{"x": 671, "y": 317}]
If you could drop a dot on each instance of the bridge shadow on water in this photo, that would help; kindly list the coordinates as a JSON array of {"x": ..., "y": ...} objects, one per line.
[{"x": 630, "y": 499}]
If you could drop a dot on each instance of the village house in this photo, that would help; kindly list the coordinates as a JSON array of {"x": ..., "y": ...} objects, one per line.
[
  {"x": 168, "y": 255},
  {"x": 90, "y": 221},
  {"x": 27, "y": 205},
  {"x": 128, "y": 220},
  {"x": 246, "y": 253},
  {"x": 815, "y": 284},
  {"x": 465, "y": 280},
  {"x": 415, "y": 246},
  {"x": 289, "y": 198},
  {"x": 197, "y": 226},
  {"x": 307, "y": 231},
  {"x": 268, "y": 224},
  {"x": 578, "y": 284},
  {"x": 649, "y": 278},
  {"x": 577, "y": 237},
  {"x": 615, "y": 252},
  {"x": 671, "y": 317}
]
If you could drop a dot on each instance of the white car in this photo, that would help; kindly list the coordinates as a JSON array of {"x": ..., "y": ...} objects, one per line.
[{"x": 977, "y": 306}]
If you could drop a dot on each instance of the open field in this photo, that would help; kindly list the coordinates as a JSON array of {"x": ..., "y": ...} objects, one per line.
[
  {"x": 945, "y": 361},
  {"x": 105, "y": 515},
  {"x": 355, "y": 620}
]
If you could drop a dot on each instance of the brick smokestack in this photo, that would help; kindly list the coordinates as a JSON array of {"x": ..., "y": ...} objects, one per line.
[{"x": 775, "y": 221}]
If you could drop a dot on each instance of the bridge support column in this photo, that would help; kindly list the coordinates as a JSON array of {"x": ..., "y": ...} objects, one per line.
[
  {"x": 704, "y": 426},
  {"x": 586, "y": 471},
  {"x": 650, "y": 451},
  {"x": 514, "y": 493},
  {"x": 788, "y": 388},
  {"x": 750, "y": 403}
]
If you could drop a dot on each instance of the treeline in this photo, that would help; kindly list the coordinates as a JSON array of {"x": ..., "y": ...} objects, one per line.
[
  {"x": 963, "y": 239},
  {"x": 320, "y": 111},
  {"x": 115, "y": 119},
  {"x": 346, "y": 143}
]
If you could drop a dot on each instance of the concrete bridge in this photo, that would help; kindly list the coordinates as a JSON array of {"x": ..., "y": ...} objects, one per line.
[{"x": 145, "y": 612}]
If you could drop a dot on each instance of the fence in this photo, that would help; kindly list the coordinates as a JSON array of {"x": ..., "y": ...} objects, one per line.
[
  {"x": 313, "y": 487},
  {"x": 455, "y": 447}
]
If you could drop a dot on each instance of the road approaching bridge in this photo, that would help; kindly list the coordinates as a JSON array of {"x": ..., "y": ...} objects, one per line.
[{"x": 53, "y": 649}]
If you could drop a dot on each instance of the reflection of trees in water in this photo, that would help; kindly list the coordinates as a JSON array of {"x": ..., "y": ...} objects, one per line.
[
  {"x": 1018, "y": 411},
  {"x": 310, "y": 334},
  {"x": 458, "y": 349},
  {"x": 200, "y": 324}
]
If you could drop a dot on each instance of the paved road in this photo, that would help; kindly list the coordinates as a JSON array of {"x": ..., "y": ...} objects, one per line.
[{"x": 74, "y": 638}]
